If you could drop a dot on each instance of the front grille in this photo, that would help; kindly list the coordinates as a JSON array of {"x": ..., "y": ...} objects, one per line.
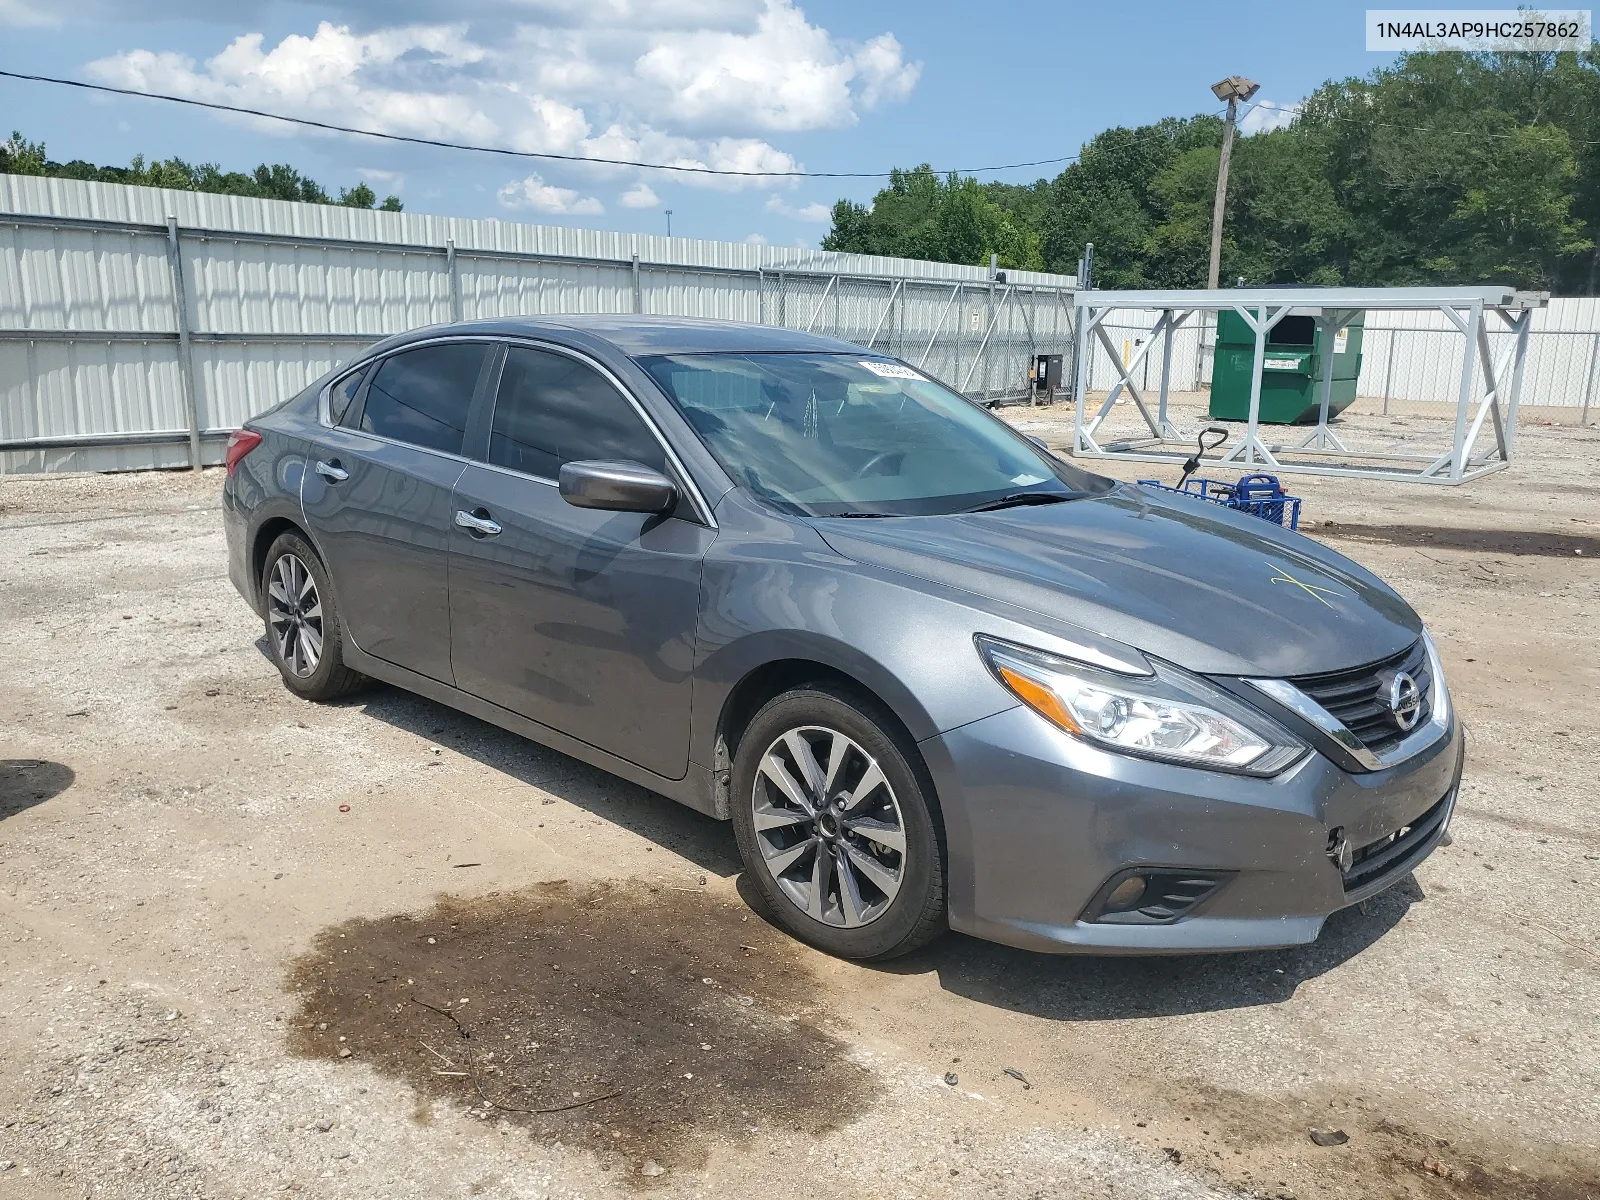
[
  {"x": 1359, "y": 696},
  {"x": 1397, "y": 853}
]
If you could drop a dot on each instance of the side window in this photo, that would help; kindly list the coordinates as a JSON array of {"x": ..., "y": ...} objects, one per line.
[
  {"x": 552, "y": 410},
  {"x": 342, "y": 393},
  {"x": 422, "y": 396}
]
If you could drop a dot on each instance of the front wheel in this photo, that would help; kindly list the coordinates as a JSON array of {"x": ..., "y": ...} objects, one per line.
[
  {"x": 837, "y": 827},
  {"x": 302, "y": 620}
]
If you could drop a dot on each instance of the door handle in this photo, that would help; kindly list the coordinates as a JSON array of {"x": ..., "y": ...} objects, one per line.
[
  {"x": 332, "y": 471},
  {"x": 480, "y": 525}
]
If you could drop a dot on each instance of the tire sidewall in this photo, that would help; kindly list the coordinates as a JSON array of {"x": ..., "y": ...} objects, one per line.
[
  {"x": 904, "y": 925},
  {"x": 319, "y": 681}
]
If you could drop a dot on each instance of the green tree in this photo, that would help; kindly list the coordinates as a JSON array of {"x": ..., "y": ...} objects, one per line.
[
  {"x": 279, "y": 181},
  {"x": 1441, "y": 168},
  {"x": 18, "y": 156},
  {"x": 920, "y": 215}
]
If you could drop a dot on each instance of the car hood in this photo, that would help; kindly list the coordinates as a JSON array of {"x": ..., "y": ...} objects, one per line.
[{"x": 1212, "y": 590}]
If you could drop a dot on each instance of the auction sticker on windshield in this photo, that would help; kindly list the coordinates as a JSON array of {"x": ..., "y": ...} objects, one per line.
[{"x": 890, "y": 370}]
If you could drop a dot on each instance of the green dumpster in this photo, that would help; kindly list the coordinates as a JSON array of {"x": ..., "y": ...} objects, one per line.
[{"x": 1291, "y": 372}]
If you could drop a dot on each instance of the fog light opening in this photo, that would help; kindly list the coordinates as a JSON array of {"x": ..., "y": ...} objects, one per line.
[
  {"x": 1153, "y": 895},
  {"x": 1126, "y": 894},
  {"x": 1340, "y": 850}
]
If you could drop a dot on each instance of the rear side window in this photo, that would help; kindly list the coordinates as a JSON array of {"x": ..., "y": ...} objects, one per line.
[
  {"x": 422, "y": 396},
  {"x": 342, "y": 393},
  {"x": 552, "y": 410}
]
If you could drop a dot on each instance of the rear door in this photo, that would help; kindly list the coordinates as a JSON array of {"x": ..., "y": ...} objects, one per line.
[
  {"x": 378, "y": 501},
  {"x": 579, "y": 619}
]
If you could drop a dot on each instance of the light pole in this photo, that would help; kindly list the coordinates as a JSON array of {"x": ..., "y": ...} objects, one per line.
[
  {"x": 669, "y": 222},
  {"x": 1232, "y": 89}
]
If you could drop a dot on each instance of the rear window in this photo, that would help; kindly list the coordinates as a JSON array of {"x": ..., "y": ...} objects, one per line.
[
  {"x": 422, "y": 396},
  {"x": 342, "y": 393}
]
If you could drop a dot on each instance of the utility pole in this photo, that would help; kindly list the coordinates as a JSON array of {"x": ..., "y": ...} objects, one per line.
[
  {"x": 669, "y": 222},
  {"x": 1232, "y": 89}
]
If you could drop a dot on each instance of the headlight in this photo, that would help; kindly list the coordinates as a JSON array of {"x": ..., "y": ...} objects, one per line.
[{"x": 1171, "y": 715}]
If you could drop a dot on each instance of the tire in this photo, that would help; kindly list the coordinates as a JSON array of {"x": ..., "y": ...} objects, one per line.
[
  {"x": 303, "y": 630},
  {"x": 879, "y": 855}
]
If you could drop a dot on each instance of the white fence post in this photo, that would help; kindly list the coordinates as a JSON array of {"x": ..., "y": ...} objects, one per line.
[
  {"x": 1588, "y": 386},
  {"x": 180, "y": 300}
]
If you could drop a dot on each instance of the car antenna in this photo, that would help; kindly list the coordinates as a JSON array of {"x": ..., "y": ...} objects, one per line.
[{"x": 1192, "y": 463}]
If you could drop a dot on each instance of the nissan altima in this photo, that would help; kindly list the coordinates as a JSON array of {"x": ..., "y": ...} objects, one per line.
[{"x": 935, "y": 676}]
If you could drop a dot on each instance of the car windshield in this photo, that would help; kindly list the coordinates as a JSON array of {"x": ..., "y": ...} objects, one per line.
[{"x": 834, "y": 435}]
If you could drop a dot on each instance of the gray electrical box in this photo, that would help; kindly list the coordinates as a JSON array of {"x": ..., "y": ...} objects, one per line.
[{"x": 1046, "y": 375}]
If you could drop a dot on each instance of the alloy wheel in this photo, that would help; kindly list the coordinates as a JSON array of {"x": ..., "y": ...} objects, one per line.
[
  {"x": 829, "y": 826},
  {"x": 294, "y": 612}
]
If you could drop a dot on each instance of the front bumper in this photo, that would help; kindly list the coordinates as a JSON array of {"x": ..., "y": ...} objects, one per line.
[{"x": 1037, "y": 821}]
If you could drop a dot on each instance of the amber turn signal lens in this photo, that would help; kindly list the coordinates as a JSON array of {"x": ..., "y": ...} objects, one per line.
[{"x": 1038, "y": 697}]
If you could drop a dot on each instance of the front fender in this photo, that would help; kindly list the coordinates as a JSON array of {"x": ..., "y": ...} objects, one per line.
[{"x": 773, "y": 590}]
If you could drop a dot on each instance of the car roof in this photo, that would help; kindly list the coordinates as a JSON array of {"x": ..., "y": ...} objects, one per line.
[{"x": 644, "y": 335}]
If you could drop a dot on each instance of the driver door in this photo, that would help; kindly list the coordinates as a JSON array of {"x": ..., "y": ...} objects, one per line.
[{"x": 579, "y": 619}]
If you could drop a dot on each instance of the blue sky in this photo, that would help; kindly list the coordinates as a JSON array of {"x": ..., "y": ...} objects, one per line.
[{"x": 821, "y": 84}]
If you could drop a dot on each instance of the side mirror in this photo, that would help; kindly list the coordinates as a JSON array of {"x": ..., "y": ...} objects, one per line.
[
  {"x": 616, "y": 486},
  {"x": 1039, "y": 442}
]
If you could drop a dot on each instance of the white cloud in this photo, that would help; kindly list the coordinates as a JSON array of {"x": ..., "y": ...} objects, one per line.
[
  {"x": 691, "y": 82},
  {"x": 533, "y": 192},
  {"x": 755, "y": 239},
  {"x": 805, "y": 212},
  {"x": 785, "y": 75},
  {"x": 640, "y": 195},
  {"x": 883, "y": 71},
  {"x": 1268, "y": 115},
  {"x": 333, "y": 75},
  {"x": 394, "y": 181}
]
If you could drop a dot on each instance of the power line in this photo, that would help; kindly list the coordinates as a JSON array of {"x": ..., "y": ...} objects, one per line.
[{"x": 500, "y": 150}]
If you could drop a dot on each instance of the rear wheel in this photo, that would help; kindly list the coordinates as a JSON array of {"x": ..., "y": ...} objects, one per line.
[
  {"x": 302, "y": 619},
  {"x": 836, "y": 825}
]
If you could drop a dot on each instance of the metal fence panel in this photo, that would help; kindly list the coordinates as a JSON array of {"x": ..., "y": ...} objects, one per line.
[
  {"x": 92, "y": 352},
  {"x": 69, "y": 278}
]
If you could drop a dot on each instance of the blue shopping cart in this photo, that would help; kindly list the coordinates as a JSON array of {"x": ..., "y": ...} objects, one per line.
[{"x": 1259, "y": 495}]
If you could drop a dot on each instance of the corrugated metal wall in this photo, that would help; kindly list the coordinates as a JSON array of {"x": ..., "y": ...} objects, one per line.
[{"x": 274, "y": 294}]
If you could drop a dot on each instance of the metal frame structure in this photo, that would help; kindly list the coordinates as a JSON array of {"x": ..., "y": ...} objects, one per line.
[
  {"x": 1322, "y": 450},
  {"x": 1024, "y": 298}
]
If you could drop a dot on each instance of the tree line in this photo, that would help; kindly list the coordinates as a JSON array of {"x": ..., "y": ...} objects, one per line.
[
  {"x": 277, "y": 181},
  {"x": 1443, "y": 168}
]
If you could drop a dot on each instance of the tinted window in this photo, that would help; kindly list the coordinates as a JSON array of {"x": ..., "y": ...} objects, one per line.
[
  {"x": 422, "y": 396},
  {"x": 552, "y": 410},
  {"x": 342, "y": 393}
]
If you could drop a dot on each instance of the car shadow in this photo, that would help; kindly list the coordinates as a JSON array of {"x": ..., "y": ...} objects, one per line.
[
  {"x": 1056, "y": 987},
  {"x": 25, "y": 782},
  {"x": 1100, "y": 988},
  {"x": 703, "y": 841}
]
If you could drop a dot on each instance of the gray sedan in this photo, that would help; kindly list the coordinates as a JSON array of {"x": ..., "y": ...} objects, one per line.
[{"x": 935, "y": 676}]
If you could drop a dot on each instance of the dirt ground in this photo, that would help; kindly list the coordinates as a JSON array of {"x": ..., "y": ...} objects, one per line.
[{"x": 251, "y": 946}]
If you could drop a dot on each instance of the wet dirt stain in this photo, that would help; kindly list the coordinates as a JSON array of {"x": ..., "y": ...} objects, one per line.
[
  {"x": 1483, "y": 541},
  {"x": 642, "y": 1023},
  {"x": 1383, "y": 1156},
  {"x": 1413, "y": 1157}
]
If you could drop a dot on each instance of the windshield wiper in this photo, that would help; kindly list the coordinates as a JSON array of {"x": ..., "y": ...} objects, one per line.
[
  {"x": 864, "y": 514},
  {"x": 1018, "y": 499}
]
